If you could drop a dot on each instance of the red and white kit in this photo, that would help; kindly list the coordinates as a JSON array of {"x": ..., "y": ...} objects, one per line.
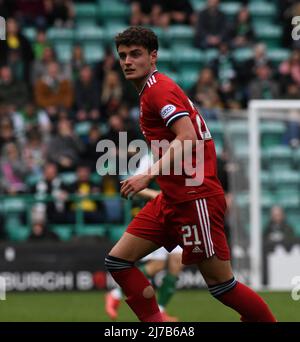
[{"x": 189, "y": 216}]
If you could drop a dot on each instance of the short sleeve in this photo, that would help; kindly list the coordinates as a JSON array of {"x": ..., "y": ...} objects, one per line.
[{"x": 168, "y": 104}]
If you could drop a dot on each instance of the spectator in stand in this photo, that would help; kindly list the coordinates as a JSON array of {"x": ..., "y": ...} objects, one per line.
[
  {"x": 16, "y": 51},
  {"x": 51, "y": 185},
  {"x": 87, "y": 96},
  {"x": 289, "y": 70},
  {"x": 60, "y": 13},
  {"x": 263, "y": 86},
  {"x": 34, "y": 152},
  {"x": 33, "y": 117},
  {"x": 277, "y": 233},
  {"x": 39, "y": 69},
  {"x": 77, "y": 61},
  {"x": 108, "y": 64},
  {"x": 205, "y": 94},
  {"x": 111, "y": 93},
  {"x": 91, "y": 155},
  {"x": 39, "y": 230},
  {"x": 7, "y": 134},
  {"x": 241, "y": 32},
  {"x": 13, "y": 170},
  {"x": 65, "y": 148},
  {"x": 247, "y": 72},
  {"x": 142, "y": 12},
  {"x": 53, "y": 90},
  {"x": 175, "y": 12},
  {"x": 93, "y": 210},
  {"x": 211, "y": 27},
  {"x": 12, "y": 91},
  {"x": 40, "y": 44}
]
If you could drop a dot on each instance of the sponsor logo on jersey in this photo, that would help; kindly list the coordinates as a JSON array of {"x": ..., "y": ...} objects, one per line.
[{"x": 167, "y": 110}]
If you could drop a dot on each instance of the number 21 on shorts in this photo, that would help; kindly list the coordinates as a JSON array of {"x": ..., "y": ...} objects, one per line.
[{"x": 190, "y": 235}]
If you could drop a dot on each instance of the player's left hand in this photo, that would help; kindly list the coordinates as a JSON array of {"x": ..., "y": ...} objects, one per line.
[{"x": 134, "y": 184}]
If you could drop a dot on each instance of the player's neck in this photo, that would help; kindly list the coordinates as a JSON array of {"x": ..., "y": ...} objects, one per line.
[{"x": 140, "y": 83}]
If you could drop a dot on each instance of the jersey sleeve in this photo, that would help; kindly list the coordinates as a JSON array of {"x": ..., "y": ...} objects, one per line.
[{"x": 168, "y": 104}]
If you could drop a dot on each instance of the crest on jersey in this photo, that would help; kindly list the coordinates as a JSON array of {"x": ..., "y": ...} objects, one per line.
[{"x": 167, "y": 110}]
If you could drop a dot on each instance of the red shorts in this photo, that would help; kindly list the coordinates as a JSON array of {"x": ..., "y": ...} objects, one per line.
[{"x": 197, "y": 226}]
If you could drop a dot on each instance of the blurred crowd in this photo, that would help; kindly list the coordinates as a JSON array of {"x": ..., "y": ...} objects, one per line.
[{"x": 53, "y": 114}]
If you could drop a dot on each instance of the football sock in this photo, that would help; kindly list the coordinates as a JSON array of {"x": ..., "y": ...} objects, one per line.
[
  {"x": 143, "y": 269},
  {"x": 245, "y": 301},
  {"x": 140, "y": 294},
  {"x": 166, "y": 290},
  {"x": 117, "y": 293}
]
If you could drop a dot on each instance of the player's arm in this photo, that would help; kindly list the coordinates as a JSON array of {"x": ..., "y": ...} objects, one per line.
[
  {"x": 184, "y": 130},
  {"x": 148, "y": 194}
]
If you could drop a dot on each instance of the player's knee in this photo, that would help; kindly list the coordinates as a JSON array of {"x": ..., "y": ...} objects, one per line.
[
  {"x": 114, "y": 264},
  {"x": 148, "y": 292},
  {"x": 221, "y": 288}
]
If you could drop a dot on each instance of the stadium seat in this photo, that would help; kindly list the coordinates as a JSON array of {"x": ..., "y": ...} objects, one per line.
[
  {"x": 230, "y": 9},
  {"x": 210, "y": 54},
  {"x": 278, "y": 55},
  {"x": 63, "y": 51},
  {"x": 60, "y": 35},
  {"x": 111, "y": 30},
  {"x": 279, "y": 158},
  {"x": 115, "y": 232},
  {"x": 187, "y": 78},
  {"x": 93, "y": 52},
  {"x": 271, "y": 133},
  {"x": 85, "y": 14},
  {"x": 198, "y": 5},
  {"x": 113, "y": 11},
  {"x": 68, "y": 177},
  {"x": 29, "y": 33},
  {"x": 82, "y": 128},
  {"x": 89, "y": 34},
  {"x": 188, "y": 58},
  {"x": 64, "y": 232},
  {"x": 264, "y": 10},
  {"x": 164, "y": 58},
  {"x": 90, "y": 230},
  {"x": 14, "y": 229},
  {"x": 270, "y": 34},
  {"x": 242, "y": 54},
  {"x": 180, "y": 36},
  {"x": 286, "y": 180}
]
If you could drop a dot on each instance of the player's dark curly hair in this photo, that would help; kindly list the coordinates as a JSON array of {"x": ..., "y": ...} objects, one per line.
[{"x": 137, "y": 35}]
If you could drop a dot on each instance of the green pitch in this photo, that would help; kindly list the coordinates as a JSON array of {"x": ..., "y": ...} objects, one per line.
[{"x": 189, "y": 306}]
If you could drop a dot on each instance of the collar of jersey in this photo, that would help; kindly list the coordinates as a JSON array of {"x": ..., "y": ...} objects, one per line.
[{"x": 140, "y": 93}]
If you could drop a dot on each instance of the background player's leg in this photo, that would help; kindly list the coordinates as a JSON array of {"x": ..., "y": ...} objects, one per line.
[
  {"x": 168, "y": 286},
  {"x": 222, "y": 285},
  {"x": 120, "y": 263}
]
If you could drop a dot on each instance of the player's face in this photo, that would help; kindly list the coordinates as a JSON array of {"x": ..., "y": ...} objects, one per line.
[{"x": 136, "y": 62}]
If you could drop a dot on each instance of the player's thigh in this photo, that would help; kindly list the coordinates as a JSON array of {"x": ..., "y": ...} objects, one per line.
[
  {"x": 154, "y": 266},
  {"x": 199, "y": 226},
  {"x": 215, "y": 271},
  {"x": 174, "y": 262},
  {"x": 132, "y": 248}
]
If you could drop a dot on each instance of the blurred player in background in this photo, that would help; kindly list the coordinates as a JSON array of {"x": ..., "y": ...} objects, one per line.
[
  {"x": 152, "y": 264},
  {"x": 191, "y": 216}
]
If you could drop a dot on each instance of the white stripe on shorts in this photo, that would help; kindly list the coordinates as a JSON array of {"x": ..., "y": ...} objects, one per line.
[
  {"x": 202, "y": 229},
  {"x": 207, "y": 224}
]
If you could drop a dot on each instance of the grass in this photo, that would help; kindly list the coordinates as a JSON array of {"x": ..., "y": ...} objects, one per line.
[{"x": 188, "y": 305}]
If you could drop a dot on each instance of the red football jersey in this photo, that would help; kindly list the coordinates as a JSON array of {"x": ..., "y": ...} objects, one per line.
[{"x": 162, "y": 102}]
